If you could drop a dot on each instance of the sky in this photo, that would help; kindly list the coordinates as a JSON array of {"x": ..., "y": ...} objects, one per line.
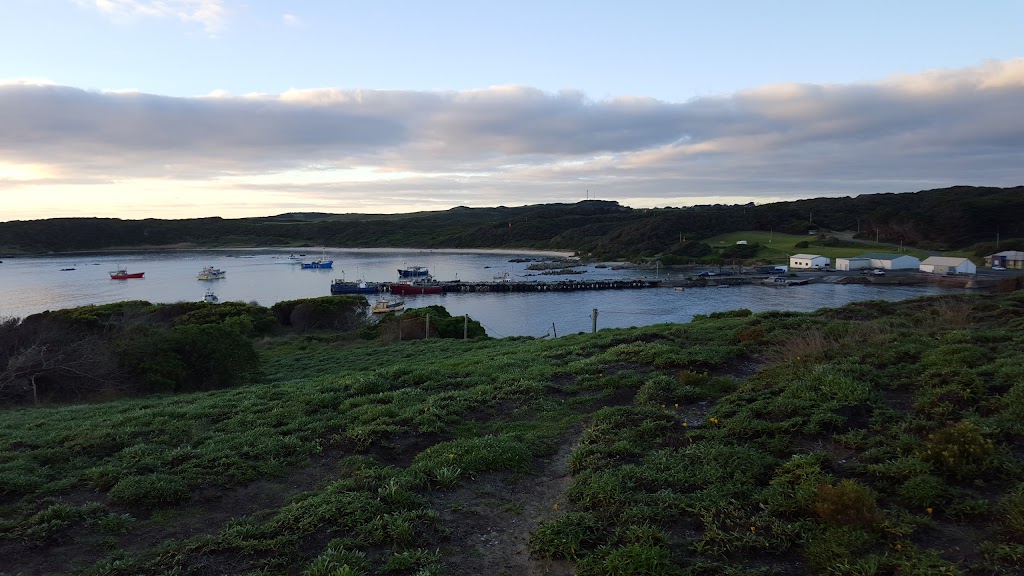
[{"x": 234, "y": 108}]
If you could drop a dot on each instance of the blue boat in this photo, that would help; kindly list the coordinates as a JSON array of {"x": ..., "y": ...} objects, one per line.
[
  {"x": 318, "y": 264},
  {"x": 414, "y": 272},
  {"x": 340, "y": 286}
]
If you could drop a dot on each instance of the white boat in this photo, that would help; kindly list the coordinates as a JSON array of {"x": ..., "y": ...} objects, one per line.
[
  {"x": 384, "y": 306},
  {"x": 210, "y": 297},
  {"x": 210, "y": 273}
]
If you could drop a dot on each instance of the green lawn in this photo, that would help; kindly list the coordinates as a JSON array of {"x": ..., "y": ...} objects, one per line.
[{"x": 777, "y": 246}]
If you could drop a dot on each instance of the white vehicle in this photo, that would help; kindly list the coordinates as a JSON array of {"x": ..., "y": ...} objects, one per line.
[{"x": 999, "y": 267}]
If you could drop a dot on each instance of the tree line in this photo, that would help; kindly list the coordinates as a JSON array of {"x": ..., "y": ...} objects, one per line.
[{"x": 946, "y": 218}]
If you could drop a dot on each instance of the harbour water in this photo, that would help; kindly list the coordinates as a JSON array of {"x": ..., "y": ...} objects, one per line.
[{"x": 30, "y": 285}]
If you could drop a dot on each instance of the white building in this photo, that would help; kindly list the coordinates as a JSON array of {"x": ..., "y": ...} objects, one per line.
[
  {"x": 855, "y": 263},
  {"x": 1006, "y": 259},
  {"x": 808, "y": 261},
  {"x": 948, "y": 265}
]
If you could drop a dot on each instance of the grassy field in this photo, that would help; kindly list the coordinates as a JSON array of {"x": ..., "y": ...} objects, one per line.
[
  {"x": 778, "y": 247},
  {"x": 878, "y": 438}
]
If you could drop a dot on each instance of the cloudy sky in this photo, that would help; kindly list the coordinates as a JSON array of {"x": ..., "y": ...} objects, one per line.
[{"x": 182, "y": 108}]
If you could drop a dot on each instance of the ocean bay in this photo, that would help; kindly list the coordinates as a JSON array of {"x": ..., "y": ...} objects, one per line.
[{"x": 30, "y": 285}]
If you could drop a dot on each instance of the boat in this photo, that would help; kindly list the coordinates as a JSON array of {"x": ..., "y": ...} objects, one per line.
[
  {"x": 123, "y": 274},
  {"x": 323, "y": 262},
  {"x": 210, "y": 297},
  {"x": 210, "y": 273},
  {"x": 421, "y": 286},
  {"x": 66, "y": 269},
  {"x": 340, "y": 286},
  {"x": 384, "y": 306},
  {"x": 414, "y": 272}
]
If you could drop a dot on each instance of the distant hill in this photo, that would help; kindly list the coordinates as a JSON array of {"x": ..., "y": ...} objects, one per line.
[{"x": 946, "y": 218}]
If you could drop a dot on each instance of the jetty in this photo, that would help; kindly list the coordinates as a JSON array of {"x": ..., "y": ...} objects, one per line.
[{"x": 538, "y": 286}]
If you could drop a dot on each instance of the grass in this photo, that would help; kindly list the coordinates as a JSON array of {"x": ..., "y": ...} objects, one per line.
[
  {"x": 877, "y": 438},
  {"x": 778, "y": 247}
]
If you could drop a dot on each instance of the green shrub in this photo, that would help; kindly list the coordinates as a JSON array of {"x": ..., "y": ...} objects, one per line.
[
  {"x": 1011, "y": 515},
  {"x": 846, "y": 504},
  {"x": 959, "y": 450},
  {"x": 924, "y": 491},
  {"x": 151, "y": 491}
]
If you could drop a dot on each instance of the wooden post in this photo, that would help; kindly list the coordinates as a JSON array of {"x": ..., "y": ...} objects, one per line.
[
  {"x": 593, "y": 322},
  {"x": 465, "y": 327},
  {"x": 426, "y": 334},
  {"x": 554, "y": 332}
]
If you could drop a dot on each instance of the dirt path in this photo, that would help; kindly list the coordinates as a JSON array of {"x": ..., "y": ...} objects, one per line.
[{"x": 493, "y": 516}]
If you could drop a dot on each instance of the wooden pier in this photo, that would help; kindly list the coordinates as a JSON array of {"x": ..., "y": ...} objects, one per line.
[{"x": 540, "y": 286}]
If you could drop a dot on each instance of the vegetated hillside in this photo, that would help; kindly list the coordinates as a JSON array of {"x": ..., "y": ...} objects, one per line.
[
  {"x": 877, "y": 438},
  {"x": 946, "y": 218}
]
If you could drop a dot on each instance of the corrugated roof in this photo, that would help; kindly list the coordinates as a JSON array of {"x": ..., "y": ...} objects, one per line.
[
  {"x": 882, "y": 256},
  {"x": 944, "y": 260},
  {"x": 1010, "y": 254},
  {"x": 807, "y": 256}
]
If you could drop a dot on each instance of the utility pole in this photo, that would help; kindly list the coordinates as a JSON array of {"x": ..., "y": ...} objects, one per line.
[{"x": 593, "y": 322}]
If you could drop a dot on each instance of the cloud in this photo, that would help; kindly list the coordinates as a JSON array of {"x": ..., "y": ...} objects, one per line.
[
  {"x": 210, "y": 14},
  {"x": 340, "y": 150},
  {"x": 291, "y": 20}
]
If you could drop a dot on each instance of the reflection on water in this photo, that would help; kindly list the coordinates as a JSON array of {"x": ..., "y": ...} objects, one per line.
[{"x": 266, "y": 276}]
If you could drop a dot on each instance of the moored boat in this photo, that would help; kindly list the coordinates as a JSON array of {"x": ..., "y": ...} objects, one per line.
[
  {"x": 123, "y": 274},
  {"x": 210, "y": 297},
  {"x": 384, "y": 306},
  {"x": 340, "y": 286},
  {"x": 210, "y": 273},
  {"x": 318, "y": 264},
  {"x": 414, "y": 272},
  {"x": 423, "y": 286}
]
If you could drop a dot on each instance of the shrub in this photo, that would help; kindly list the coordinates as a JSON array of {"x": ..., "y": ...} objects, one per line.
[
  {"x": 1011, "y": 515},
  {"x": 151, "y": 491},
  {"x": 846, "y": 504},
  {"x": 959, "y": 450}
]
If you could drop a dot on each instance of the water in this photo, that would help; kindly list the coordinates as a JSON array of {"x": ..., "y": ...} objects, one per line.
[{"x": 266, "y": 276}]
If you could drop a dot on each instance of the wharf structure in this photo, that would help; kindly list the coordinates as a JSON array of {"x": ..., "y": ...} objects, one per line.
[{"x": 538, "y": 286}]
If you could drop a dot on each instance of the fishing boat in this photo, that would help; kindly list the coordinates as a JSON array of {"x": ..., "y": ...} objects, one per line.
[
  {"x": 210, "y": 297},
  {"x": 414, "y": 272},
  {"x": 323, "y": 262},
  {"x": 210, "y": 273},
  {"x": 123, "y": 274},
  {"x": 384, "y": 306},
  {"x": 340, "y": 286},
  {"x": 420, "y": 286}
]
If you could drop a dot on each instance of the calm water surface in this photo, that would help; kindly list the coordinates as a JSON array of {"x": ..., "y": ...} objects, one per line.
[{"x": 31, "y": 285}]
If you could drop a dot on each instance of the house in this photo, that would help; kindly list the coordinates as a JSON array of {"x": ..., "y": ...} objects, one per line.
[
  {"x": 880, "y": 260},
  {"x": 1006, "y": 259},
  {"x": 808, "y": 261},
  {"x": 948, "y": 265}
]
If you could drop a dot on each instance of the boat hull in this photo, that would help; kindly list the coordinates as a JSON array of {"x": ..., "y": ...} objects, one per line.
[
  {"x": 115, "y": 276},
  {"x": 318, "y": 264},
  {"x": 414, "y": 272},
  {"x": 413, "y": 289},
  {"x": 353, "y": 288}
]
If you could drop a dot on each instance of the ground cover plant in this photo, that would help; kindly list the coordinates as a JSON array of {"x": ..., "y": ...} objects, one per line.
[{"x": 877, "y": 438}]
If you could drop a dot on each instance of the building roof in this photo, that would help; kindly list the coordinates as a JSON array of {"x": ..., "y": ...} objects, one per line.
[
  {"x": 1010, "y": 254},
  {"x": 944, "y": 260},
  {"x": 883, "y": 256},
  {"x": 807, "y": 256}
]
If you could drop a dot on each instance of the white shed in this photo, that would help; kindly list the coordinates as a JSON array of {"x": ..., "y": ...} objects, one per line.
[
  {"x": 948, "y": 265},
  {"x": 856, "y": 263},
  {"x": 1006, "y": 259},
  {"x": 887, "y": 261},
  {"x": 807, "y": 261}
]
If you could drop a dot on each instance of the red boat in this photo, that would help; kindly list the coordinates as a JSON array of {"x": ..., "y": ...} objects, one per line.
[
  {"x": 124, "y": 274},
  {"x": 416, "y": 287}
]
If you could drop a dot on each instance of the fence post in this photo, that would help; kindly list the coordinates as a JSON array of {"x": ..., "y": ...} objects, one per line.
[
  {"x": 465, "y": 327},
  {"x": 593, "y": 322},
  {"x": 554, "y": 332},
  {"x": 426, "y": 334}
]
